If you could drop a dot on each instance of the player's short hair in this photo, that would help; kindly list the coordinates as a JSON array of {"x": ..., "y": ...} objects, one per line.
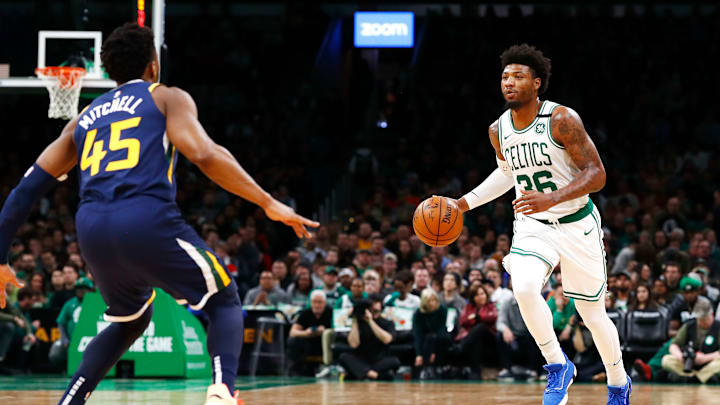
[
  {"x": 127, "y": 52},
  {"x": 531, "y": 57}
]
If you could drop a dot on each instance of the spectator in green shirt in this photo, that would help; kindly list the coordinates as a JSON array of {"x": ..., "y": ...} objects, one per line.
[
  {"x": 68, "y": 318},
  {"x": 703, "y": 330},
  {"x": 563, "y": 309},
  {"x": 70, "y": 313},
  {"x": 332, "y": 289}
]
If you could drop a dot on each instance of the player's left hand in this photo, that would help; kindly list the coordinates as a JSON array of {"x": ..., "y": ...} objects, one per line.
[
  {"x": 532, "y": 202},
  {"x": 7, "y": 276},
  {"x": 278, "y": 211}
]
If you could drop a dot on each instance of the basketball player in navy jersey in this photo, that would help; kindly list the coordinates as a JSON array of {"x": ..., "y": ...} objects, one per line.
[{"x": 130, "y": 230}]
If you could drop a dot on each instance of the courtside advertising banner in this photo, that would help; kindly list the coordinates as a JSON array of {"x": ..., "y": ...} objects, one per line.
[
  {"x": 384, "y": 29},
  {"x": 173, "y": 345}
]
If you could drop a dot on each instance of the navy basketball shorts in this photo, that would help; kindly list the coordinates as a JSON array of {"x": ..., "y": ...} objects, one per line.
[{"x": 136, "y": 244}]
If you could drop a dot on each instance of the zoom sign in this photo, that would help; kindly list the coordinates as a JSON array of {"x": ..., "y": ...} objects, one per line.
[{"x": 384, "y": 29}]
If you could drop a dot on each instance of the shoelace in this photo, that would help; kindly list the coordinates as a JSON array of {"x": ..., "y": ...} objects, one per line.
[
  {"x": 553, "y": 381},
  {"x": 614, "y": 398}
]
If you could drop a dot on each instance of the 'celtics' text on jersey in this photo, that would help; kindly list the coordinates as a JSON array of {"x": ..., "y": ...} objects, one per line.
[{"x": 538, "y": 162}]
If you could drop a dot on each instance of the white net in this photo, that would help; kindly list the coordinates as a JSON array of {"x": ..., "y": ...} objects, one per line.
[{"x": 63, "y": 84}]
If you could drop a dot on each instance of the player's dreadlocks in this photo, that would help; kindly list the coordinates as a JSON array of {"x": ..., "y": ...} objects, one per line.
[
  {"x": 127, "y": 51},
  {"x": 533, "y": 58}
]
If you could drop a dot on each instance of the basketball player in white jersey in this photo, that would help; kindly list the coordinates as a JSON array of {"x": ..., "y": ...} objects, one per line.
[{"x": 544, "y": 152}]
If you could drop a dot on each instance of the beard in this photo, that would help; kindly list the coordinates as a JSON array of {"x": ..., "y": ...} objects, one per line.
[
  {"x": 513, "y": 105},
  {"x": 521, "y": 99}
]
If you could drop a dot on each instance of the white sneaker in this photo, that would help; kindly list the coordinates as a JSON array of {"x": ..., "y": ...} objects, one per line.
[
  {"x": 324, "y": 372},
  {"x": 219, "y": 394}
]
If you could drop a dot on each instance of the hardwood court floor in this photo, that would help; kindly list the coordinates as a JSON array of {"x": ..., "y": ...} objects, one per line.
[{"x": 305, "y": 392}]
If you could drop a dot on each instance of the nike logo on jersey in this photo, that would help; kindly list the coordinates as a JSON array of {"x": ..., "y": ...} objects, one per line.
[{"x": 585, "y": 233}]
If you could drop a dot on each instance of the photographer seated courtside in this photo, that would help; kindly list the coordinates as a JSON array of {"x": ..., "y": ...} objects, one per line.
[
  {"x": 694, "y": 350},
  {"x": 370, "y": 336}
]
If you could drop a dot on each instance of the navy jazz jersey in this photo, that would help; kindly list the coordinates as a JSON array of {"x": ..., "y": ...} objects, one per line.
[
  {"x": 123, "y": 149},
  {"x": 129, "y": 227}
]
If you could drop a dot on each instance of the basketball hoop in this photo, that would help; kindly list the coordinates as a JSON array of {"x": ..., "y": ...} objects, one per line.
[{"x": 63, "y": 83}]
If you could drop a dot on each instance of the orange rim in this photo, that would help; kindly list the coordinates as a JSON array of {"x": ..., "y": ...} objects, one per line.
[{"x": 67, "y": 76}]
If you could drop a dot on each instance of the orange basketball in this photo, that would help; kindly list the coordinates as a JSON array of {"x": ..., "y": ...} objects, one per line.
[{"x": 437, "y": 221}]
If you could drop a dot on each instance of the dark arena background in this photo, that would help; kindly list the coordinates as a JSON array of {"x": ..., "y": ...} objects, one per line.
[{"x": 353, "y": 114}]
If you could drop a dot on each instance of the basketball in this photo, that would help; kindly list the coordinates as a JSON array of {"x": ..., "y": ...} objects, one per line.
[{"x": 437, "y": 221}]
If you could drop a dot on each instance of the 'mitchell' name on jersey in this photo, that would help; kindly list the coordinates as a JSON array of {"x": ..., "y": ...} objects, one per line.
[
  {"x": 118, "y": 103},
  {"x": 123, "y": 148},
  {"x": 538, "y": 162}
]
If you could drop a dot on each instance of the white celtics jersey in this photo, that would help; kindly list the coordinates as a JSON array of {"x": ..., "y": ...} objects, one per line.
[{"x": 537, "y": 161}]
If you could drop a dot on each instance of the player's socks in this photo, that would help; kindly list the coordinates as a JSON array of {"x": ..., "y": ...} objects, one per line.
[
  {"x": 101, "y": 355},
  {"x": 616, "y": 375},
  {"x": 552, "y": 352},
  {"x": 225, "y": 336}
]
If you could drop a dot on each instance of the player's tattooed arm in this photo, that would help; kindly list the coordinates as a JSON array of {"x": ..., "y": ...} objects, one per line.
[
  {"x": 567, "y": 128},
  {"x": 493, "y": 133}
]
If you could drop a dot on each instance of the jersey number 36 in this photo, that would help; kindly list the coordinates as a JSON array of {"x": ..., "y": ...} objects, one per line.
[{"x": 93, "y": 152}]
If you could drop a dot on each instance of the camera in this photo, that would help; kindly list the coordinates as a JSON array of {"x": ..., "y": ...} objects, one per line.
[
  {"x": 359, "y": 309},
  {"x": 689, "y": 357}
]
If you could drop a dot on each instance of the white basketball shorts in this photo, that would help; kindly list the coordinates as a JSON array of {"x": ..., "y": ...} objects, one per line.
[{"x": 576, "y": 246}]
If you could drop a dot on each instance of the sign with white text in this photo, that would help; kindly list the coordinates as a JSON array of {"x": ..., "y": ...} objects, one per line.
[
  {"x": 173, "y": 345},
  {"x": 384, "y": 29}
]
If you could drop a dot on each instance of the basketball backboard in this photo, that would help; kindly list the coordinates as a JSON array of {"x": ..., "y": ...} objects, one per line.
[
  {"x": 70, "y": 34},
  {"x": 94, "y": 81}
]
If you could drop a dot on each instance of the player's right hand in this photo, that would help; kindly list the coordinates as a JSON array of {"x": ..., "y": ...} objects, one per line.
[
  {"x": 7, "y": 276},
  {"x": 278, "y": 211},
  {"x": 461, "y": 203}
]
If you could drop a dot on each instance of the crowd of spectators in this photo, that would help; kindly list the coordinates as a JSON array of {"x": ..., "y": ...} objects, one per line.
[{"x": 451, "y": 308}]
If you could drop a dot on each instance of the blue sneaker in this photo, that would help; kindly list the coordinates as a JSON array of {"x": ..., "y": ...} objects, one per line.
[
  {"x": 620, "y": 395},
  {"x": 560, "y": 378}
]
